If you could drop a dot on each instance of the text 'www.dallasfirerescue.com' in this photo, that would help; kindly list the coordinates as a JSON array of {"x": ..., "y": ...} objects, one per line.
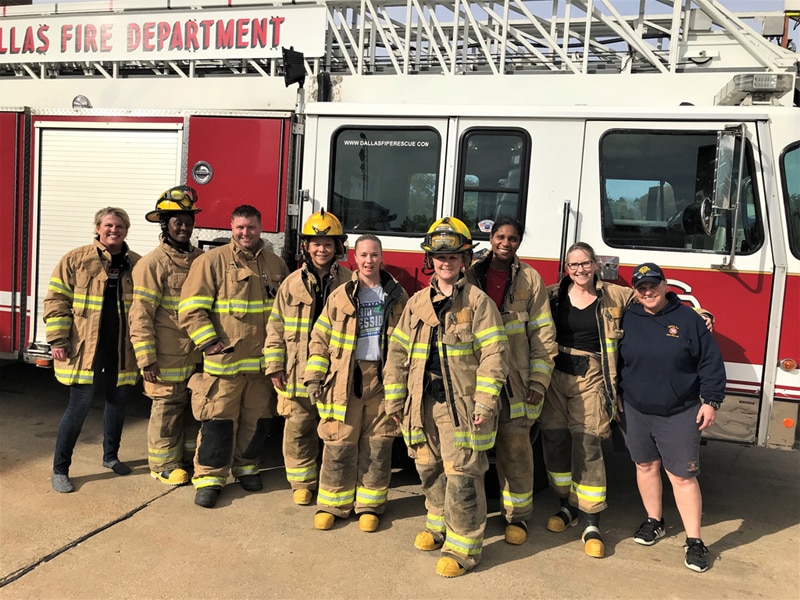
[{"x": 411, "y": 143}]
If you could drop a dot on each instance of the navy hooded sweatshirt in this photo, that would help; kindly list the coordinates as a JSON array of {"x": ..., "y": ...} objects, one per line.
[{"x": 669, "y": 360}]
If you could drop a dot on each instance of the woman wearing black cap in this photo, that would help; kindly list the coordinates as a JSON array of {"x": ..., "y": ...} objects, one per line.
[{"x": 671, "y": 383}]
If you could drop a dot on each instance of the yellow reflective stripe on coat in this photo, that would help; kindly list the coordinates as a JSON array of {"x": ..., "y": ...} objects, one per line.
[
  {"x": 61, "y": 325},
  {"x": 144, "y": 348},
  {"x": 244, "y": 365},
  {"x": 318, "y": 363},
  {"x": 83, "y": 377},
  {"x": 370, "y": 497},
  {"x": 147, "y": 295},
  {"x": 537, "y": 365},
  {"x": 302, "y": 474},
  {"x": 223, "y": 306},
  {"x": 419, "y": 351},
  {"x": 170, "y": 303},
  {"x": 88, "y": 302},
  {"x": 525, "y": 409},
  {"x": 540, "y": 320},
  {"x": 340, "y": 339},
  {"x": 462, "y": 544},
  {"x": 176, "y": 374},
  {"x": 331, "y": 411},
  {"x": 480, "y": 442},
  {"x": 57, "y": 286},
  {"x": 395, "y": 391},
  {"x": 293, "y": 390},
  {"x": 195, "y": 303},
  {"x": 275, "y": 355},
  {"x": 488, "y": 385},
  {"x": 435, "y": 523},
  {"x": 611, "y": 345},
  {"x": 514, "y": 327},
  {"x": 414, "y": 436},
  {"x": 203, "y": 334},
  {"x": 401, "y": 338},
  {"x": 589, "y": 493},
  {"x": 462, "y": 349},
  {"x": 512, "y": 500},
  {"x": 292, "y": 324},
  {"x": 328, "y": 498},
  {"x": 490, "y": 335}
]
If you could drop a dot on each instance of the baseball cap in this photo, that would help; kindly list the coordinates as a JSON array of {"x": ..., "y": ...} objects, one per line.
[{"x": 647, "y": 273}]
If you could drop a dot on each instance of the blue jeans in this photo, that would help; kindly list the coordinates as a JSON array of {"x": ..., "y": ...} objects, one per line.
[{"x": 80, "y": 401}]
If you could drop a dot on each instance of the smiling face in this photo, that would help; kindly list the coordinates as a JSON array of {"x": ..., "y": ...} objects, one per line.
[
  {"x": 652, "y": 296},
  {"x": 505, "y": 243},
  {"x": 112, "y": 232},
  {"x": 247, "y": 232},
  {"x": 448, "y": 267},
  {"x": 368, "y": 257},
  {"x": 322, "y": 251},
  {"x": 180, "y": 227},
  {"x": 580, "y": 267}
]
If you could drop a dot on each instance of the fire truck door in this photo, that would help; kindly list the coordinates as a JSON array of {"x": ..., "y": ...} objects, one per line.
[
  {"x": 81, "y": 169},
  {"x": 10, "y": 217},
  {"x": 641, "y": 185}
]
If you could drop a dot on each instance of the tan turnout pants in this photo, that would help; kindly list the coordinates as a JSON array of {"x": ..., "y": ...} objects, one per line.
[
  {"x": 234, "y": 414},
  {"x": 514, "y": 457},
  {"x": 172, "y": 430},
  {"x": 452, "y": 480},
  {"x": 357, "y": 456},
  {"x": 300, "y": 441},
  {"x": 574, "y": 423}
]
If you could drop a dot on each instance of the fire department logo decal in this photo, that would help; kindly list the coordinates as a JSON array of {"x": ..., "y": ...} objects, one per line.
[{"x": 673, "y": 331}]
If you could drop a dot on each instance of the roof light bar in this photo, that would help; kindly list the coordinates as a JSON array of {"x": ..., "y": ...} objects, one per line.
[{"x": 754, "y": 88}]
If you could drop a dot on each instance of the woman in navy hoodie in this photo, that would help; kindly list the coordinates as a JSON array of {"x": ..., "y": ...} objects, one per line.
[{"x": 671, "y": 383}]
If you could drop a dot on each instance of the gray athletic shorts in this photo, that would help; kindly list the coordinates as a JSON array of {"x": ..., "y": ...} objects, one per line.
[{"x": 675, "y": 440}]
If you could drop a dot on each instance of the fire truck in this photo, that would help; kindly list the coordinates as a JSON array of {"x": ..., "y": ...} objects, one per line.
[{"x": 655, "y": 130}]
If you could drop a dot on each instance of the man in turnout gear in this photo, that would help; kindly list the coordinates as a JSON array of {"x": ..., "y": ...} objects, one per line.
[
  {"x": 345, "y": 376},
  {"x": 519, "y": 292},
  {"x": 164, "y": 352},
  {"x": 298, "y": 304},
  {"x": 225, "y": 304},
  {"x": 447, "y": 362}
]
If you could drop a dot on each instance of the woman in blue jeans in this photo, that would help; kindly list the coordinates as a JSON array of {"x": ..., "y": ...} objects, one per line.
[{"x": 85, "y": 314}]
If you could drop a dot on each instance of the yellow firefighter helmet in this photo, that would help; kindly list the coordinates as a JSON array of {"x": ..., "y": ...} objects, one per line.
[
  {"x": 181, "y": 198},
  {"x": 325, "y": 224},
  {"x": 447, "y": 236}
]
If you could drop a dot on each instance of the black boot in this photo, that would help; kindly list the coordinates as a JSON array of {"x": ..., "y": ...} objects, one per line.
[{"x": 567, "y": 516}]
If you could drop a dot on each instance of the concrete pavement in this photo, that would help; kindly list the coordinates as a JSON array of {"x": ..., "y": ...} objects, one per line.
[{"x": 132, "y": 537}]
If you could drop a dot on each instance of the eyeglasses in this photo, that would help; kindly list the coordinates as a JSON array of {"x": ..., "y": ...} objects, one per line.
[
  {"x": 584, "y": 265},
  {"x": 183, "y": 196}
]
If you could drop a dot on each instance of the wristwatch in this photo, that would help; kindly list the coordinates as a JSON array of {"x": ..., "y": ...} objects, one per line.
[{"x": 715, "y": 404}]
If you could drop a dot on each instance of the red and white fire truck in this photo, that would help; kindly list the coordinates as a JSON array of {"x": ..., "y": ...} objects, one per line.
[{"x": 655, "y": 130}]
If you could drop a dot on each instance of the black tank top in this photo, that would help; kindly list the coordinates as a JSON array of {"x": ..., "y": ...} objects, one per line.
[{"x": 577, "y": 328}]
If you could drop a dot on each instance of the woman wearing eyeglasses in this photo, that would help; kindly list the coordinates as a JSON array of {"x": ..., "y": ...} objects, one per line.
[{"x": 580, "y": 402}]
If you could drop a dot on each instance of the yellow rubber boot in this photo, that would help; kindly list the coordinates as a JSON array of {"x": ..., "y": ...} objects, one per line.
[
  {"x": 368, "y": 522},
  {"x": 516, "y": 533},
  {"x": 427, "y": 542},
  {"x": 563, "y": 519},
  {"x": 302, "y": 497},
  {"x": 593, "y": 543},
  {"x": 449, "y": 567},
  {"x": 173, "y": 477},
  {"x": 323, "y": 521}
]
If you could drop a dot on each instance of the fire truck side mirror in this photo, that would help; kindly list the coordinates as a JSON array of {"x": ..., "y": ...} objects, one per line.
[
  {"x": 294, "y": 68},
  {"x": 724, "y": 170}
]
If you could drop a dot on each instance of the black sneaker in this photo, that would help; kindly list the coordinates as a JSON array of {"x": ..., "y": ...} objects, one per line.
[
  {"x": 696, "y": 557},
  {"x": 649, "y": 531}
]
